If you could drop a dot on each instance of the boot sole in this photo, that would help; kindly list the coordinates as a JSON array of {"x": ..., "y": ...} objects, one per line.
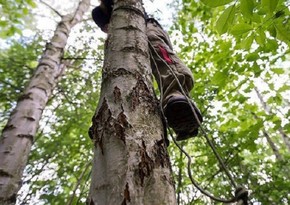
[{"x": 181, "y": 118}]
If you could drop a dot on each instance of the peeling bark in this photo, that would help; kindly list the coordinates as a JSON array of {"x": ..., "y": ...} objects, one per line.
[
  {"x": 126, "y": 195},
  {"x": 131, "y": 163},
  {"x": 18, "y": 135}
]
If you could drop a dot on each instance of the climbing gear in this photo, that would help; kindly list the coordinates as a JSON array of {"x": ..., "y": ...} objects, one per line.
[
  {"x": 176, "y": 77},
  {"x": 175, "y": 104},
  {"x": 181, "y": 118},
  {"x": 241, "y": 193}
]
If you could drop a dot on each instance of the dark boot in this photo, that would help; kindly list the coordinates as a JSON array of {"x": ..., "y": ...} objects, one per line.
[{"x": 181, "y": 118}]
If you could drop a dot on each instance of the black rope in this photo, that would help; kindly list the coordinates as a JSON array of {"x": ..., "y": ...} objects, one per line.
[{"x": 241, "y": 194}]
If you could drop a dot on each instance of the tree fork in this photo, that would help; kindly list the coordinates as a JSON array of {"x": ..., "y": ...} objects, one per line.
[
  {"x": 18, "y": 135},
  {"x": 131, "y": 163}
]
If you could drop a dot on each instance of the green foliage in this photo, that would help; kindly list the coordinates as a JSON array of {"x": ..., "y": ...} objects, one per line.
[
  {"x": 216, "y": 3},
  {"x": 13, "y": 16},
  {"x": 247, "y": 8},
  {"x": 251, "y": 16},
  {"x": 226, "y": 19},
  {"x": 17, "y": 64},
  {"x": 241, "y": 49}
]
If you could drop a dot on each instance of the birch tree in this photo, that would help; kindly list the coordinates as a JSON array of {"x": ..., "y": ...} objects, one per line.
[
  {"x": 18, "y": 135},
  {"x": 131, "y": 164}
]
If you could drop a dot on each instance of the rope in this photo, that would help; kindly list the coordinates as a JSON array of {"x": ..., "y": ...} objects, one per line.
[{"x": 241, "y": 194}]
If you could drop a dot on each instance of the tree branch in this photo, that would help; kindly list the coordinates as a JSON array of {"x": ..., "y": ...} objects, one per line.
[
  {"x": 53, "y": 9},
  {"x": 79, "y": 181}
]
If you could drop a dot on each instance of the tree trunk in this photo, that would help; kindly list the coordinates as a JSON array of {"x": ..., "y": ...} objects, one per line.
[
  {"x": 272, "y": 145},
  {"x": 268, "y": 110},
  {"x": 131, "y": 164},
  {"x": 18, "y": 135}
]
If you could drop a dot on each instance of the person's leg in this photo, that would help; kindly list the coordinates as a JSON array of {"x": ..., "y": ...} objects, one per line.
[
  {"x": 175, "y": 81},
  {"x": 164, "y": 62}
]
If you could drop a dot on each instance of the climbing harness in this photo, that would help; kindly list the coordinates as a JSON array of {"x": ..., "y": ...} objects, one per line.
[{"x": 241, "y": 193}]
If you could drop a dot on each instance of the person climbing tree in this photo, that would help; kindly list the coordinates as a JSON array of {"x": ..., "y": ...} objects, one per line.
[
  {"x": 131, "y": 163},
  {"x": 174, "y": 78}
]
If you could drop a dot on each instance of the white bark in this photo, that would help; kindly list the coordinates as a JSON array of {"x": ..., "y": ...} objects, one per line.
[
  {"x": 18, "y": 134},
  {"x": 131, "y": 164}
]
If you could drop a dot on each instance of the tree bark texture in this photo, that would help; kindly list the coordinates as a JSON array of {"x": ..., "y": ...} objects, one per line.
[
  {"x": 18, "y": 135},
  {"x": 131, "y": 163}
]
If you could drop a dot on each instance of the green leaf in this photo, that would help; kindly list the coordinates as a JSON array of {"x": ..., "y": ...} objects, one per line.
[
  {"x": 269, "y": 5},
  {"x": 247, "y": 42},
  {"x": 215, "y": 3},
  {"x": 282, "y": 32},
  {"x": 220, "y": 78},
  {"x": 242, "y": 99},
  {"x": 278, "y": 70},
  {"x": 25, "y": 11},
  {"x": 252, "y": 56},
  {"x": 284, "y": 88},
  {"x": 226, "y": 19},
  {"x": 256, "y": 69},
  {"x": 272, "y": 31},
  {"x": 31, "y": 3},
  {"x": 257, "y": 18},
  {"x": 241, "y": 28},
  {"x": 271, "y": 45},
  {"x": 287, "y": 127},
  {"x": 260, "y": 37},
  {"x": 3, "y": 23},
  {"x": 247, "y": 7}
]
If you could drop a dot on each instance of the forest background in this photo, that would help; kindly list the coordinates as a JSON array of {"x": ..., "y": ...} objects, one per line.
[{"x": 238, "y": 51}]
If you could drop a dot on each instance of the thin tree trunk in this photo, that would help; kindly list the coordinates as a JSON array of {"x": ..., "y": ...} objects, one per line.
[
  {"x": 270, "y": 142},
  {"x": 272, "y": 145},
  {"x": 268, "y": 110},
  {"x": 18, "y": 135},
  {"x": 131, "y": 164}
]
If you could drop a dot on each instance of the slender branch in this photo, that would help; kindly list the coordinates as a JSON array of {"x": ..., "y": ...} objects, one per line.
[
  {"x": 83, "y": 188},
  {"x": 79, "y": 182},
  {"x": 53, "y": 9},
  {"x": 269, "y": 140}
]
